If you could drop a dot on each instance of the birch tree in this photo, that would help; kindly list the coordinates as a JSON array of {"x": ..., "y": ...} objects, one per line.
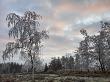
[{"x": 27, "y": 36}]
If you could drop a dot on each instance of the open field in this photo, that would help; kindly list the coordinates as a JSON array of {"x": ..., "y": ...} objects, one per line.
[{"x": 51, "y": 78}]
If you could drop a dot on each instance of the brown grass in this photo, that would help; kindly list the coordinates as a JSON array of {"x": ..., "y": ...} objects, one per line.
[{"x": 84, "y": 73}]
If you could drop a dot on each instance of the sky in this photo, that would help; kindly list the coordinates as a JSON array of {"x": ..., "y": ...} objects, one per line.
[{"x": 63, "y": 20}]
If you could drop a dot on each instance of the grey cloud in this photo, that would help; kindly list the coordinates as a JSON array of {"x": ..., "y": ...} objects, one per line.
[{"x": 60, "y": 45}]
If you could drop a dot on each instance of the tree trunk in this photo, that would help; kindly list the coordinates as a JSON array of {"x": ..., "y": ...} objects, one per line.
[
  {"x": 32, "y": 68},
  {"x": 33, "y": 80},
  {"x": 102, "y": 66}
]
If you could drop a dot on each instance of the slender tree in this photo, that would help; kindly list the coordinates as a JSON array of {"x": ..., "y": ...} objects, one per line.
[
  {"x": 84, "y": 50},
  {"x": 27, "y": 36}
]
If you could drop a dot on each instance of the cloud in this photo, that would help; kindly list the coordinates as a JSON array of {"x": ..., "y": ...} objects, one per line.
[
  {"x": 90, "y": 7},
  {"x": 58, "y": 45}
]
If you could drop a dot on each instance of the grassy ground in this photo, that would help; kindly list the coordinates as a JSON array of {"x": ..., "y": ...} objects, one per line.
[
  {"x": 51, "y": 78},
  {"x": 83, "y": 73}
]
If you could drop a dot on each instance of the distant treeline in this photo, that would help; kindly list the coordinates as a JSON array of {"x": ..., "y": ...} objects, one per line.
[{"x": 12, "y": 67}]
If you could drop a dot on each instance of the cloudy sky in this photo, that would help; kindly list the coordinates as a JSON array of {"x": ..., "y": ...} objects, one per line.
[{"x": 62, "y": 18}]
